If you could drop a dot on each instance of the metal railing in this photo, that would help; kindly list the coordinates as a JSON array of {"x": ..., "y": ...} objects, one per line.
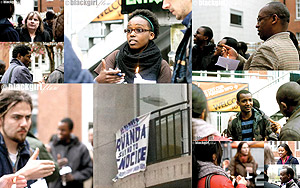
[{"x": 169, "y": 133}]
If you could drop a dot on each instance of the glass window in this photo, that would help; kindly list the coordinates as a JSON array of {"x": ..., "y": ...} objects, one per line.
[
  {"x": 236, "y": 18},
  {"x": 298, "y": 9}
]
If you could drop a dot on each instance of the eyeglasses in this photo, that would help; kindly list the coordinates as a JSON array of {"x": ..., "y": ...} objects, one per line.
[
  {"x": 261, "y": 18},
  {"x": 137, "y": 31}
]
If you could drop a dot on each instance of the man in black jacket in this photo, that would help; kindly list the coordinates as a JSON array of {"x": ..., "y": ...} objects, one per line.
[
  {"x": 203, "y": 49},
  {"x": 69, "y": 151}
]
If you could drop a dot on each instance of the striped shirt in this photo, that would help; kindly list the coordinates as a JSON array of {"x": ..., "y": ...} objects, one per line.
[{"x": 247, "y": 129}]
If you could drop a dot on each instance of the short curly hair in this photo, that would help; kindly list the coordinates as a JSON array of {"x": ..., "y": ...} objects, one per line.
[{"x": 150, "y": 15}]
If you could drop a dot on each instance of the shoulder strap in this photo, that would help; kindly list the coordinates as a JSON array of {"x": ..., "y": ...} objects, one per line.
[
  {"x": 208, "y": 178},
  {"x": 10, "y": 74},
  {"x": 207, "y": 181}
]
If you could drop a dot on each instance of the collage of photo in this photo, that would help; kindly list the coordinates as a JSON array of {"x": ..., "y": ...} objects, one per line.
[{"x": 149, "y": 93}]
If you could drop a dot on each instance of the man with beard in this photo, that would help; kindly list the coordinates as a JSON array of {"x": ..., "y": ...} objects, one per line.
[
  {"x": 250, "y": 124},
  {"x": 278, "y": 51},
  {"x": 15, "y": 121},
  {"x": 288, "y": 99},
  {"x": 204, "y": 49},
  {"x": 287, "y": 177},
  {"x": 69, "y": 151}
]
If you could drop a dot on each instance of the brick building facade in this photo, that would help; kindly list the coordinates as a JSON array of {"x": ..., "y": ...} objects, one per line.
[
  {"x": 294, "y": 146},
  {"x": 294, "y": 8},
  {"x": 55, "y": 5}
]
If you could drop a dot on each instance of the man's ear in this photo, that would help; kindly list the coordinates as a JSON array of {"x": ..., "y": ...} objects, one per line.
[
  {"x": 206, "y": 38},
  {"x": 284, "y": 106},
  {"x": 203, "y": 115},
  {"x": 19, "y": 56},
  {"x": 275, "y": 19}
]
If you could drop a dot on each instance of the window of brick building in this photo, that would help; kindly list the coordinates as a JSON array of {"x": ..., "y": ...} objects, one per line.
[{"x": 297, "y": 9}]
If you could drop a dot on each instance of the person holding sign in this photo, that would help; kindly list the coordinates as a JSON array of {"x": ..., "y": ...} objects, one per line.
[
  {"x": 250, "y": 124},
  {"x": 139, "y": 56}
]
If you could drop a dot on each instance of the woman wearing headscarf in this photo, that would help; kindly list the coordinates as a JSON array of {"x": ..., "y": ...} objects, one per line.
[
  {"x": 33, "y": 29},
  {"x": 139, "y": 51},
  {"x": 244, "y": 164},
  {"x": 286, "y": 155}
]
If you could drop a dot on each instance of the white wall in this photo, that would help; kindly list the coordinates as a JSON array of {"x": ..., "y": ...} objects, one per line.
[{"x": 216, "y": 15}]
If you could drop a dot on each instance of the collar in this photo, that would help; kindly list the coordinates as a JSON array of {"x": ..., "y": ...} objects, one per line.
[
  {"x": 297, "y": 108},
  {"x": 15, "y": 60},
  {"x": 278, "y": 34},
  {"x": 186, "y": 21}
]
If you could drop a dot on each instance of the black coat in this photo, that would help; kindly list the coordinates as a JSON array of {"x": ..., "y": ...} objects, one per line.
[
  {"x": 202, "y": 58},
  {"x": 39, "y": 37},
  {"x": 7, "y": 31}
]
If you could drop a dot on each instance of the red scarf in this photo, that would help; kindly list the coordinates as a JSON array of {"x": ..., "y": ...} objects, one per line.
[
  {"x": 287, "y": 158},
  {"x": 244, "y": 159}
]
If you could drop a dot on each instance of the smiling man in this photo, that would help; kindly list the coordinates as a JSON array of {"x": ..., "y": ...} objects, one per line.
[
  {"x": 249, "y": 124},
  {"x": 69, "y": 151},
  {"x": 278, "y": 51},
  {"x": 18, "y": 71}
]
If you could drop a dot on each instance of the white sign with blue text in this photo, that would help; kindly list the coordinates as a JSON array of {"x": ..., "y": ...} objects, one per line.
[{"x": 132, "y": 146}]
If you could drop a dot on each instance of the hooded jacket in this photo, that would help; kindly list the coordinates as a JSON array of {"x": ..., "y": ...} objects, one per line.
[
  {"x": 78, "y": 159},
  {"x": 74, "y": 73},
  {"x": 20, "y": 73},
  {"x": 57, "y": 76},
  {"x": 7, "y": 31},
  {"x": 219, "y": 179},
  {"x": 261, "y": 127},
  {"x": 22, "y": 158}
]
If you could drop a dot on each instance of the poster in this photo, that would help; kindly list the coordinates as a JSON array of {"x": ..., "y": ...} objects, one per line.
[
  {"x": 221, "y": 96},
  {"x": 132, "y": 146}
]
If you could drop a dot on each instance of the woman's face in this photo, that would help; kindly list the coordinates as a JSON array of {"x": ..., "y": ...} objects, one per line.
[
  {"x": 33, "y": 22},
  {"x": 282, "y": 152},
  {"x": 245, "y": 149},
  {"x": 138, "y": 40}
]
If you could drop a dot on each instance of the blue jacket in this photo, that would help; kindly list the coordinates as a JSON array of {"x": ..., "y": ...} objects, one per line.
[
  {"x": 7, "y": 31},
  {"x": 291, "y": 160},
  {"x": 22, "y": 158},
  {"x": 20, "y": 74},
  {"x": 73, "y": 72}
]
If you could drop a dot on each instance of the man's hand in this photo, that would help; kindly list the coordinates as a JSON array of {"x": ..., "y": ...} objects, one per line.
[
  {"x": 35, "y": 169},
  {"x": 69, "y": 177},
  {"x": 7, "y": 181},
  {"x": 61, "y": 161},
  {"x": 108, "y": 76},
  {"x": 228, "y": 51}
]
